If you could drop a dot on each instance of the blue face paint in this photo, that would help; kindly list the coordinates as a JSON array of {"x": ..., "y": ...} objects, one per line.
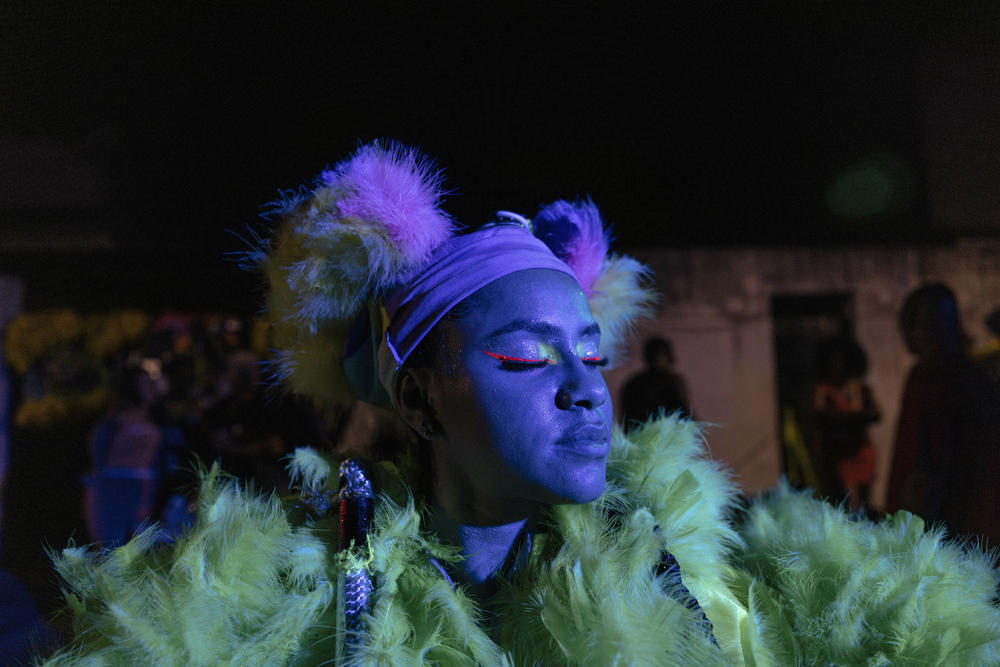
[{"x": 526, "y": 414}]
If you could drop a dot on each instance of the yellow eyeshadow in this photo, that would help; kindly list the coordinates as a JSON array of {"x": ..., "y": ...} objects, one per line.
[{"x": 548, "y": 353}]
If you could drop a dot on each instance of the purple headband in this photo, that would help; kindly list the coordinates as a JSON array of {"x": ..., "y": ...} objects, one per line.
[{"x": 456, "y": 269}]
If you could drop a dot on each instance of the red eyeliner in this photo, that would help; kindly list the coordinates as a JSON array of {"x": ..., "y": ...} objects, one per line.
[
  {"x": 521, "y": 360},
  {"x": 516, "y": 360}
]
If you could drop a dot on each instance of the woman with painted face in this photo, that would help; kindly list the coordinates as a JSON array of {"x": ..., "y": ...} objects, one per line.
[{"x": 519, "y": 526}]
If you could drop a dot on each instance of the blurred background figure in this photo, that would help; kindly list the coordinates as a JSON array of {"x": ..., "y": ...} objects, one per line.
[
  {"x": 988, "y": 356},
  {"x": 125, "y": 451},
  {"x": 244, "y": 426},
  {"x": 843, "y": 408},
  {"x": 657, "y": 388},
  {"x": 944, "y": 464},
  {"x": 23, "y": 629}
]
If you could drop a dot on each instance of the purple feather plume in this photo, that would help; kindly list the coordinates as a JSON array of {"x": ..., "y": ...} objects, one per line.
[{"x": 575, "y": 233}]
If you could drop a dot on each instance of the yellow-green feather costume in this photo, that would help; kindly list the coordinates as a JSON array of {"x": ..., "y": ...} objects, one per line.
[{"x": 801, "y": 583}]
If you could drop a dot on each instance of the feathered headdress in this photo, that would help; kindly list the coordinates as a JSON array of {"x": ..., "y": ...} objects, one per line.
[
  {"x": 370, "y": 225},
  {"x": 369, "y": 221}
]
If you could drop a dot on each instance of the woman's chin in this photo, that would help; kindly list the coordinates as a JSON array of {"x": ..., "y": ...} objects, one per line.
[{"x": 581, "y": 490}]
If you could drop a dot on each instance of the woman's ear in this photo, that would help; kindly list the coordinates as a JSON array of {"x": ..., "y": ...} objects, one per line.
[{"x": 410, "y": 395}]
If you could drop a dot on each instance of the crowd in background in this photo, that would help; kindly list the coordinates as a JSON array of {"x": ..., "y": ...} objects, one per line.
[
  {"x": 113, "y": 417},
  {"x": 944, "y": 466}
]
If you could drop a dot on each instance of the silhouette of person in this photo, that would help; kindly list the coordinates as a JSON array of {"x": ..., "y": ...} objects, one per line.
[
  {"x": 842, "y": 410},
  {"x": 944, "y": 465},
  {"x": 988, "y": 357},
  {"x": 658, "y": 388}
]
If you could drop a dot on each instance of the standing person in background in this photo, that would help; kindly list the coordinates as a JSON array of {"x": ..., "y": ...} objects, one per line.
[
  {"x": 988, "y": 356},
  {"x": 842, "y": 410},
  {"x": 944, "y": 465},
  {"x": 125, "y": 449},
  {"x": 658, "y": 389}
]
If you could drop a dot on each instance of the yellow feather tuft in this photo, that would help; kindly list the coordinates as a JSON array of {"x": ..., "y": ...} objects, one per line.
[
  {"x": 619, "y": 300},
  {"x": 309, "y": 469}
]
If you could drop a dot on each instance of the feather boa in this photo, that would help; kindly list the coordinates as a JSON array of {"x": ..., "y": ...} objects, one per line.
[
  {"x": 242, "y": 588},
  {"x": 825, "y": 587},
  {"x": 802, "y": 583}
]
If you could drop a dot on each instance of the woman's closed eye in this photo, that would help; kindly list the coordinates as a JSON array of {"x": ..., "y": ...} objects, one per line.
[
  {"x": 521, "y": 363},
  {"x": 518, "y": 363}
]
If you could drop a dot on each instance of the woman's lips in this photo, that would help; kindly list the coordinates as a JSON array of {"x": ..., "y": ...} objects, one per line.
[{"x": 591, "y": 440}]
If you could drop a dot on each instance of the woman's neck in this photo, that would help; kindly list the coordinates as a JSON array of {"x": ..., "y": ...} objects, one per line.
[
  {"x": 484, "y": 548},
  {"x": 484, "y": 525}
]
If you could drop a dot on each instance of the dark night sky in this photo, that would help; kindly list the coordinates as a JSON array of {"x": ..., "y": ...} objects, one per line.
[{"x": 694, "y": 123}]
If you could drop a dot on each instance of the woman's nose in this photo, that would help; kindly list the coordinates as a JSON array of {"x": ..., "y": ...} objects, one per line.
[{"x": 585, "y": 388}]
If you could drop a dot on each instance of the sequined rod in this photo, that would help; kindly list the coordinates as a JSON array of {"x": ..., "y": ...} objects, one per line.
[
  {"x": 358, "y": 590},
  {"x": 356, "y": 503}
]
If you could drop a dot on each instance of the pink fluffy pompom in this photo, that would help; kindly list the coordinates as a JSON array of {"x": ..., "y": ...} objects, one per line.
[
  {"x": 399, "y": 188},
  {"x": 367, "y": 224}
]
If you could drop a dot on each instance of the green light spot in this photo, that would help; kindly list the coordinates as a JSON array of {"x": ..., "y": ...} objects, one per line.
[{"x": 864, "y": 189}]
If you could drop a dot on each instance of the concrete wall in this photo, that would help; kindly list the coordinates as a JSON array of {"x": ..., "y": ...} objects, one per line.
[{"x": 716, "y": 308}]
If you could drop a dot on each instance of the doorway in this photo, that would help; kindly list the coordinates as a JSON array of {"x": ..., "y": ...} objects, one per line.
[{"x": 803, "y": 322}]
